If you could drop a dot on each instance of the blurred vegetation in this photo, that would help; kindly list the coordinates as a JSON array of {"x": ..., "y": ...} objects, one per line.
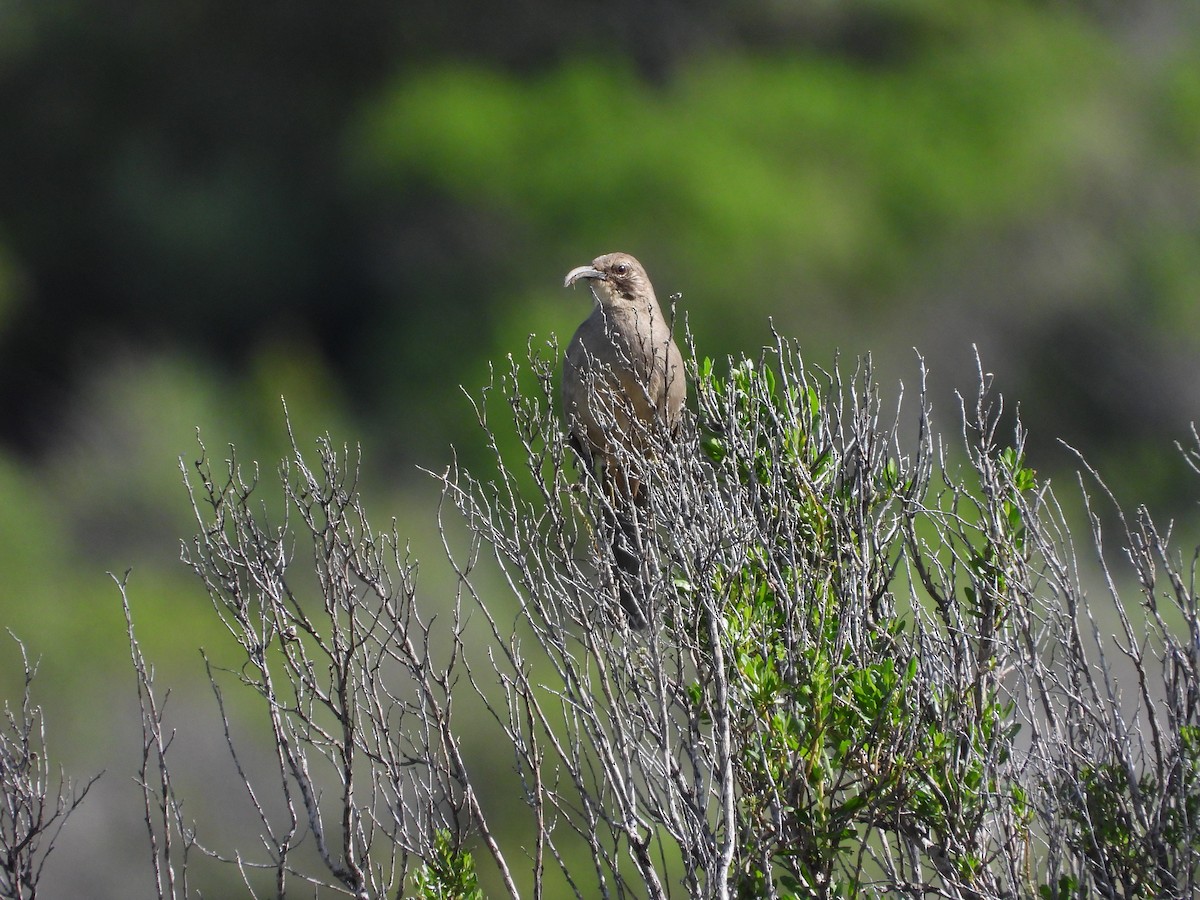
[{"x": 206, "y": 206}]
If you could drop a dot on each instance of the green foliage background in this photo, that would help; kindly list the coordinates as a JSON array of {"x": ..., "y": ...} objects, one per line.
[{"x": 204, "y": 208}]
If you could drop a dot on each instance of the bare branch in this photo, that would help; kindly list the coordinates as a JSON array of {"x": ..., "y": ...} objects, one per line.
[{"x": 33, "y": 811}]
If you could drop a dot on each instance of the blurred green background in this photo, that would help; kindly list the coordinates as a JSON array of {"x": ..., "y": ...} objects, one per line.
[{"x": 204, "y": 206}]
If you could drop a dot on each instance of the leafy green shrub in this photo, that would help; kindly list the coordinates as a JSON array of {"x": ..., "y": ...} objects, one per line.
[{"x": 871, "y": 670}]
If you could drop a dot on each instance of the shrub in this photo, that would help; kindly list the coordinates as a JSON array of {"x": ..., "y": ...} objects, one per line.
[{"x": 872, "y": 667}]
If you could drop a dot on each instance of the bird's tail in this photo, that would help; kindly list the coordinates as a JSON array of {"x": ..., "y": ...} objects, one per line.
[{"x": 629, "y": 557}]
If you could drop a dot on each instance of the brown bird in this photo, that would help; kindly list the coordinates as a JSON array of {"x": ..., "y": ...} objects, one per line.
[{"x": 623, "y": 388}]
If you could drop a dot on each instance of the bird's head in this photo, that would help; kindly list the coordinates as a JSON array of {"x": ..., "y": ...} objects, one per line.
[{"x": 614, "y": 278}]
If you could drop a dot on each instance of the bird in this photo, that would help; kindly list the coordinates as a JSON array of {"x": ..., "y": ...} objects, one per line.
[{"x": 623, "y": 388}]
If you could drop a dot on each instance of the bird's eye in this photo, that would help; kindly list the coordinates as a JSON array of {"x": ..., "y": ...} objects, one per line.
[{"x": 621, "y": 269}]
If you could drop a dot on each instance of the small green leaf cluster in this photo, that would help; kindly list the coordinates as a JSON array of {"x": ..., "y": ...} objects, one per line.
[
  {"x": 816, "y": 720},
  {"x": 843, "y": 734},
  {"x": 1101, "y": 806},
  {"x": 449, "y": 874}
]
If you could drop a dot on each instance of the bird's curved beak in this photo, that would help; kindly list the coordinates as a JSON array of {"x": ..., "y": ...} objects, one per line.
[{"x": 583, "y": 272}]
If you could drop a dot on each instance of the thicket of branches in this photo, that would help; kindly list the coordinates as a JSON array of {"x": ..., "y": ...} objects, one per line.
[
  {"x": 34, "y": 804},
  {"x": 872, "y": 666}
]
